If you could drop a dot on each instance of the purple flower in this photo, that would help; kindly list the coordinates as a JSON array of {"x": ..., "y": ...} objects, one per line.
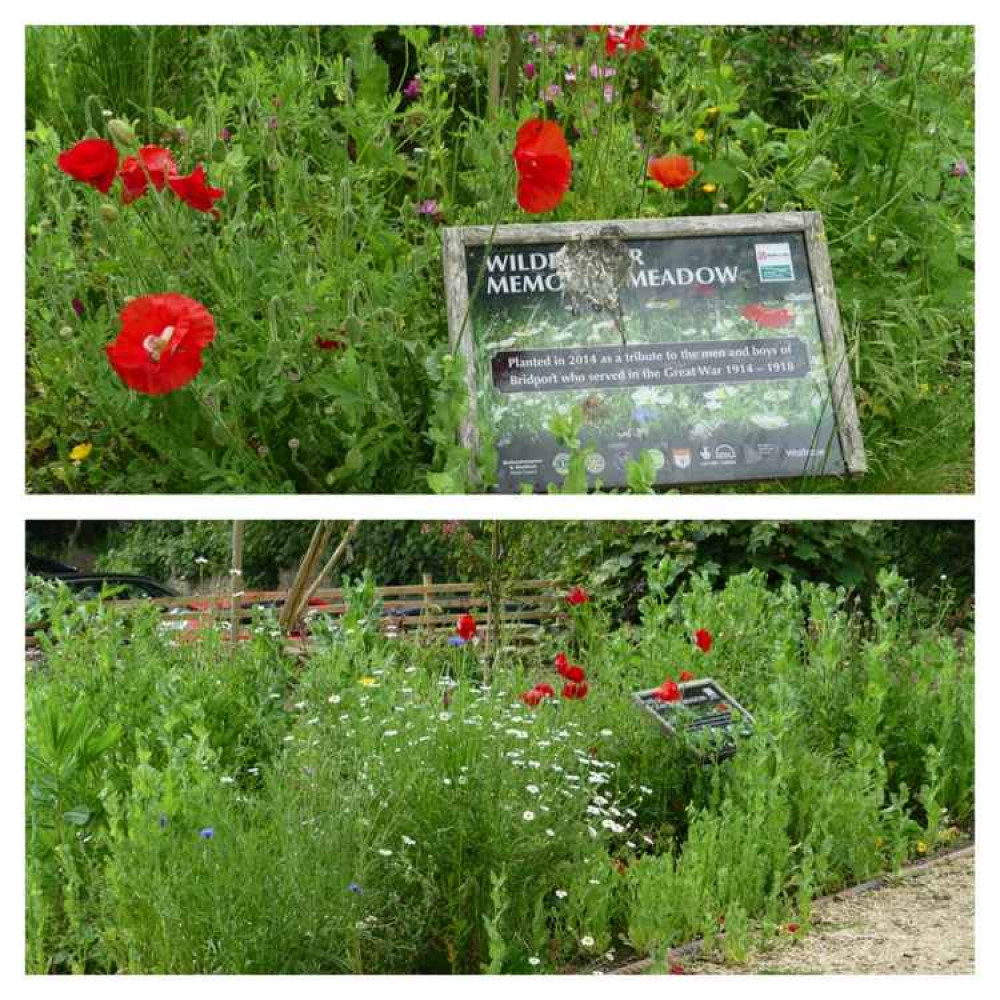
[
  {"x": 225, "y": 135},
  {"x": 479, "y": 30},
  {"x": 455, "y": 640},
  {"x": 272, "y": 122},
  {"x": 413, "y": 88},
  {"x": 960, "y": 169},
  {"x": 355, "y": 888},
  {"x": 78, "y": 307},
  {"x": 597, "y": 72},
  {"x": 552, "y": 91},
  {"x": 570, "y": 75},
  {"x": 531, "y": 38},
  {"x": 430, "y": 208},
  {"x": 529, "y": 70},
  {"x": 609, "y": 93},
  {"x": 206, "y": 832}
]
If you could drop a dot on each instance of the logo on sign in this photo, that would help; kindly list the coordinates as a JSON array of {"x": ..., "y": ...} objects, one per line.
[
  {"x": 561, "y": 463},
  {"x": 774, "y": 262},
  {"x": 595, "y": 463},
  {"x": 681, "y": 457},
  {"x": 725, "y": 453}
]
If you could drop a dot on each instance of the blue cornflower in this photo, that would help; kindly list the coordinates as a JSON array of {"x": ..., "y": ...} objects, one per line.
[
  {"x": 206, "y": 832},
  {"x": 455, "y": 640},
  {"x": 355, "y": 888},
  {"x": 644, "y": 414}
]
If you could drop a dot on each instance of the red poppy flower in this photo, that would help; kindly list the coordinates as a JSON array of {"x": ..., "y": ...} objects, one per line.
[
  {"x": 703, "y": 640},
  {"x": 577, "y": 596},
  {"x": 93, "y": 161},
  {"x": 672, "y": 171},
  {"x": 574, "y": 674},
  {"x": 193, "y": 190},
  {"x": 676, "y": 969},
  {"x": 722, "y": 707},
  {"x": 574, "y": 690},
  {"x": 466, "y": 627},
  {"x": 773, "y": 319},
  {"x": 158, "y": 348},
  {"x": 544, "y": 165},
  {"x": 159, "y": 164},
  {"x": 686, "y": 675},
  {"x": 668, "y": 691},
  {"x": 329, "y": 345},
  {"x": 561, "y": 662},
  {"x": 792, "y": 928},
  {"x": 629, "y": 40},
  {"x": 537, "y": 694}
]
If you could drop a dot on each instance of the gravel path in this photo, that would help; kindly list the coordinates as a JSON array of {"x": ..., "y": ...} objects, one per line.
[{"x": 922, "y": 923}]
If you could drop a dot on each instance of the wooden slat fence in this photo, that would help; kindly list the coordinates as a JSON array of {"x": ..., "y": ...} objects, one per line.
[{"x": 420, "y": 611}]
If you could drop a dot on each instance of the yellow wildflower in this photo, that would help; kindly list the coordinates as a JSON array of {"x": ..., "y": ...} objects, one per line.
[
  {"x": 921, "y": 847},
  {"x": 708, "y": 188},
  {"x": 368, "y": 682},
  {"x": 699, "y": 136},
  {"x": 81, "y": 451},
  {"x": 879, "y": 841},
  {"x": 713, "y": 110}
]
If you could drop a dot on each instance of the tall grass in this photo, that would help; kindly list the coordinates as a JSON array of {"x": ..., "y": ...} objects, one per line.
[{"x": 383, "y": 808}]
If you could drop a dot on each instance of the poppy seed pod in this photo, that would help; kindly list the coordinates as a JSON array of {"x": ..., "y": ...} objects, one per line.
[
  {"x": 108, "y": 212},
  {"x": 122, "y": 132}
]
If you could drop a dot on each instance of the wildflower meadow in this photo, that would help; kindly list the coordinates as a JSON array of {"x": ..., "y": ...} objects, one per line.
[
  {"x": 234, "y": 255},
  {"x": 449, "y": 804}
]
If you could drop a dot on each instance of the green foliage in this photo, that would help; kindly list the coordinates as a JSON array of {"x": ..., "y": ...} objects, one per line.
[
  {"x": 193, "y": 552},
  {"x": 325, "y": 163},
  {"x": 204, "y": 807}
]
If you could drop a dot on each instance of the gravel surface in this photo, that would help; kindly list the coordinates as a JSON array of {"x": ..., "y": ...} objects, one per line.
[{"x": 922, "y": 922}]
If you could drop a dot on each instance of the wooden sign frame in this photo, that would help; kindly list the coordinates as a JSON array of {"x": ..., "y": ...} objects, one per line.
[
  {"x": 457, "y": 240},
  {"x": 700, "y": 690}
]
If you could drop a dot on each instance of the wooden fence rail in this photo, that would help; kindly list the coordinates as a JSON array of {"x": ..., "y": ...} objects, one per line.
[{"x": 423, "y": 611}]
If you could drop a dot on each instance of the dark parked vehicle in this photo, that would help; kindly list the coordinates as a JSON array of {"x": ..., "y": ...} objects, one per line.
[{"x": 86, "y": 587}]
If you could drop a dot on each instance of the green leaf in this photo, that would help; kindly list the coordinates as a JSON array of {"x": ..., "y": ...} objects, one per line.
[{"x": 78, "y": 816}]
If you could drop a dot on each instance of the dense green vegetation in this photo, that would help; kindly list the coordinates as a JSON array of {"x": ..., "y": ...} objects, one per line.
[
  {"x": 330, "y": 369},
  {"x": 613, "y": 557},
  {"x": 387, "y": 806}
]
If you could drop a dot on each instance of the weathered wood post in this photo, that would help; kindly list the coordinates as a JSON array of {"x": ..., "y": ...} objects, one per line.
[{"x": 236, "y": 580}]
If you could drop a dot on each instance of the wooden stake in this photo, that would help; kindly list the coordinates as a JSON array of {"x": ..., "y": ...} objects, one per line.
[{"x": 236, "y": 579}]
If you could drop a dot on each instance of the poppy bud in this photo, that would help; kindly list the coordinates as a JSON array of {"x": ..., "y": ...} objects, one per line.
[
  {"x": 122, "y": 132},
  {"x": 108, "y": 212}
]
